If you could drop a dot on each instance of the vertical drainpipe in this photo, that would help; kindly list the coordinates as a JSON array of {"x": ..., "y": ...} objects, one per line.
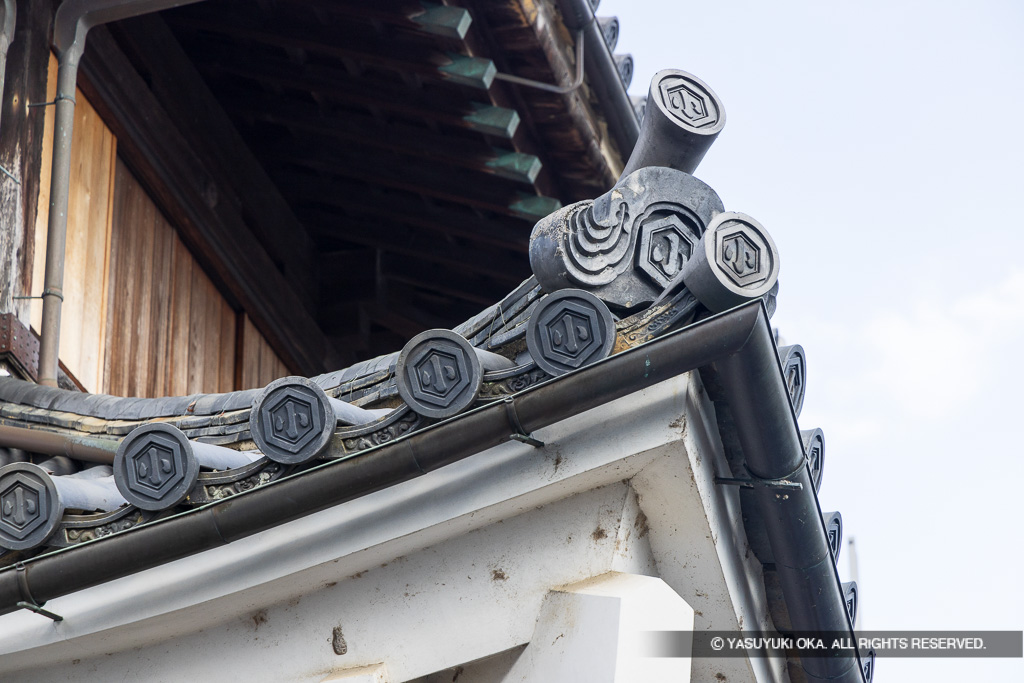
[{"x": 71, "y": 25}]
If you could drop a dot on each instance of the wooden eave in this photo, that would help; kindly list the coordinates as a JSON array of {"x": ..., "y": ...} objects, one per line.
[{"x": 340, "y": 150}]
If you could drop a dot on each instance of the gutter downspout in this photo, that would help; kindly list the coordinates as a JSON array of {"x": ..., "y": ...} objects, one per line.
[
  {"x": 71, "y": 25},
  {"x": 769, "y": 434},
  {"x": 603, "y": 75},
  {"x": 740, "y": 345}
]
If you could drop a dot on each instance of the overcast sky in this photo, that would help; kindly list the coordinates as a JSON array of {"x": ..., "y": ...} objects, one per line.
[{"x": 880, "y": 143}]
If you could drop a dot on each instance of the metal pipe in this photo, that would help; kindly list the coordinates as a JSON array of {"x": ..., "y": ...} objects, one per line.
[
  {"x": 72, "y": 23},
  {"x": 577, "y": 81},
  {"x": 739, "y": 343},
  {"x": 85, "y": 448},
  {"x": 603, "y": 75}
]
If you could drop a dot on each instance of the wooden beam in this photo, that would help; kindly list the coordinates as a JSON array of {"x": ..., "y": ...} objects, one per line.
[
  {"x": 431, "y": 311},
  {"x": 341, "y": 315},
  {"x": 356, "y": 346},
  {"x": 240, "y": 179},
  {"x": 530, "y": 40},
  {"x": 349, "y": 276},
  {"x": 475, "y": 60},
  {"x": 314, "y": 123},
  {"x": 401, "y": 325},
  {"x": 475, "y": 290},
  {"x": 407, "y": 313},
  {"x": 402, "y": 240},
  {"x": 442, "y": 20},
  {"x": 184, "y": 188},
  {"x": 439, "y": 19},
  {"x": 339, "y": 268},
  {"x": 413, "y": 54},
  {"x": 565, "y": 132},
  {"x": 362, "y": 162},
  {"x": 437, "y": 104},
  {"x": 367, "y": 203}
]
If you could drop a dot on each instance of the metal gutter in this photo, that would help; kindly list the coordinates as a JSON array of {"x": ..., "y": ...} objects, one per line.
[
  {"x": 739, "y": 345},
  {"x": 603, "y": 74},
  {"x": 71, "y": 26}
]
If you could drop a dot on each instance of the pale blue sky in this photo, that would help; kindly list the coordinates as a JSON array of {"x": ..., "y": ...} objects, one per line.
[{"x": 880, "y": 144}]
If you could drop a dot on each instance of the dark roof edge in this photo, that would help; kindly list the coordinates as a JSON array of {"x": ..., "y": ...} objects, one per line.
[
  {"x": 603, "y": 75},
  {"x": 739, "y": 343}
]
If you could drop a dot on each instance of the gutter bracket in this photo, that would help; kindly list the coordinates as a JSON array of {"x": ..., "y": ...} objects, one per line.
[
  {"x": 58, "y": 98},
  {"x": 757, "y": 482},
  {"x": 39, "y": 610},
  {"x": 29, "y": 602},
  {"x": 519, "y": 434},
  {"x": 527, "y": 439}
]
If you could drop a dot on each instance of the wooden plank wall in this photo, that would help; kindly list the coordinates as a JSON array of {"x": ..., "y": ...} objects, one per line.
[
  {"x": 93, "y": 153},
  {"x": 260, "y": 365},
  {"x": 140, "y": 317},
  {"x": 140, "y": 302},
  {"x": 170, "y": 331}
]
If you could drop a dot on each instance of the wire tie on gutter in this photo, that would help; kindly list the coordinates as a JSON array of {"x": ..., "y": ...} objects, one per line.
[
  {"x": 513, "y": 419},
  {"x": 50, "y": 291},
  {"x": 803, "y": 464},
  {"x": 758, "y": 482},
  {"x": 55, "y": 100},
  {"x": 559, "y": 89}
]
